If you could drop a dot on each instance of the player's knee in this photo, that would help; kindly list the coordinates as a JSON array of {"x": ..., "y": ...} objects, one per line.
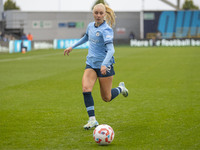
[
  {"x": 86, "y": 89},
  {"x": 106, "y": 98}
]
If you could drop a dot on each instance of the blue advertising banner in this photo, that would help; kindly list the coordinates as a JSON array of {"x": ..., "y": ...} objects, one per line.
[
  {"x": 16, "y": 46},
  {"x": 64, "y": 43},
  {"x": 19, "y": 44},
  {"x": 172, "y": 24}
]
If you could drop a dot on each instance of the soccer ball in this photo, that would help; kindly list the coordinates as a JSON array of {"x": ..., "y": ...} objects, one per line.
[{"x": 103, "y": 134}]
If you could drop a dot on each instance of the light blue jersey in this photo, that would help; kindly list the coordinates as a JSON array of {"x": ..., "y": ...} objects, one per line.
[{"x": 101, "y": 50}]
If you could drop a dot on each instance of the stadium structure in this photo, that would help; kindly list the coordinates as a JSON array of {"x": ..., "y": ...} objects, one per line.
[{"x": 48, "y": 26}]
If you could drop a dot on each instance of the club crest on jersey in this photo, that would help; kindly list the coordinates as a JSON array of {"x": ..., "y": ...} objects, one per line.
[{"x": 97, "y": 34}]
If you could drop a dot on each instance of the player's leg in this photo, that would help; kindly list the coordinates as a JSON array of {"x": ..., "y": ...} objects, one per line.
[
  {"x": 124, "y": 90},
  {"x": 105, "y": 87},
  {"x": 107, "y": 92},
  {"x": 88, "y": 81}
]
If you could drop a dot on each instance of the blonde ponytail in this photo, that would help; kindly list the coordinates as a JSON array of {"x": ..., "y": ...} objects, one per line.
[{"x": 110, "y": 16}]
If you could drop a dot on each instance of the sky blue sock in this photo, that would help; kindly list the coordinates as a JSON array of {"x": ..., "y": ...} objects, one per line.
[
  {"x": 89, "y": 103},
  {"x": 115, "y": 92}
]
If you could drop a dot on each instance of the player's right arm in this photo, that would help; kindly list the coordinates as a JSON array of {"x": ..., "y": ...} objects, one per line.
[
  {"x": 67, "y": 50},
  {"x": 81, "y": 41}
]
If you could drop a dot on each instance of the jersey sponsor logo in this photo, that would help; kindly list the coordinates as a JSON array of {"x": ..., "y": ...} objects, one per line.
[{"x": 94, "y": 41}]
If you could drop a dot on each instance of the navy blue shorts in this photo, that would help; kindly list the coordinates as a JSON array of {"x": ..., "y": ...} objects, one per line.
[{"x": 109, "y": 71}]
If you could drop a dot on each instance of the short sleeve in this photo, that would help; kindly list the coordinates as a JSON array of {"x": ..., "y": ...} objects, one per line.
[{"x": 108, "y": 35}]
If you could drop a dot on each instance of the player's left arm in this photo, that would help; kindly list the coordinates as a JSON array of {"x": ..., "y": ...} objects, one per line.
[
  {"x": 108, "y": 40},
  {"x": 109, "y": 55}
]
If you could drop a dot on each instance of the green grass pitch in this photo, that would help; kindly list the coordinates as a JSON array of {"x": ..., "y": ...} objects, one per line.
[{"x": 42, "y": 107}]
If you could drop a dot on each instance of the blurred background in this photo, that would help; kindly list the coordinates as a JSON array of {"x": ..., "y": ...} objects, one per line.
[
  {"x": 157, "y": 54},
  {"x": 44, "y": 21}
]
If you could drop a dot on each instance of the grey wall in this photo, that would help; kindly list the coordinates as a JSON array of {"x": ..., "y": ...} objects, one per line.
[
  {"x": 1, "y": 9},
  {"x": 45, "y": 25},
  {"x": 130, "y": 21}
]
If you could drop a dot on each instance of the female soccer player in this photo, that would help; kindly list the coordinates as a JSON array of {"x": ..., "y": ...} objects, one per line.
[{"x": 99, "y": 63}]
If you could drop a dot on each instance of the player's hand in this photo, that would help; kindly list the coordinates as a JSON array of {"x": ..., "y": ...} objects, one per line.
[
  {"x": 68, "y": 50},
  {"x": 103, "y": 70}
]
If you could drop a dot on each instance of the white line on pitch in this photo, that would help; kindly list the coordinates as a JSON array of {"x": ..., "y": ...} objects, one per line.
[{"x": 28, "y": 57}]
